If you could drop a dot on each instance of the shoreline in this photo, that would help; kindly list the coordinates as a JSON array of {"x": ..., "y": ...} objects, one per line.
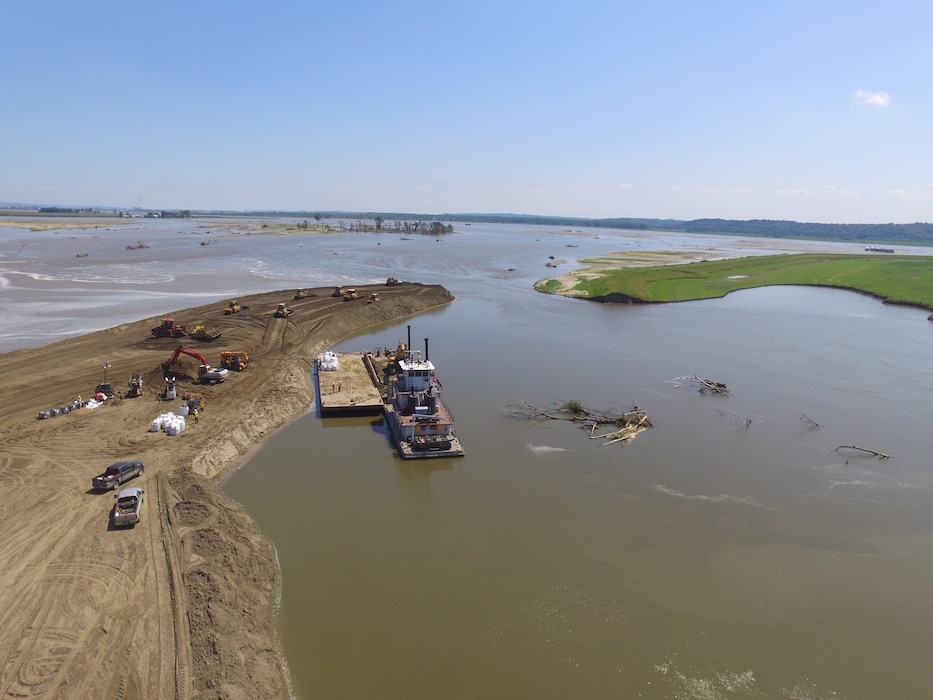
[{"x": 187, "y": 600}]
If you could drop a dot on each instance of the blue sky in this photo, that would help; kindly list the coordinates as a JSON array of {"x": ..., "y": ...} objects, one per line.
[{"x": 805, "y": 110}]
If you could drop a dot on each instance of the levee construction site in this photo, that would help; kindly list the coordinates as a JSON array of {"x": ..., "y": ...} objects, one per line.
[{"x": 171, "y": 607}]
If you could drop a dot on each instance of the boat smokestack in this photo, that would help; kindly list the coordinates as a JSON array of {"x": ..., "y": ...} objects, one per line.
[
  {"x": 409, "y": 339},
  {"x": 426, "y": 356}
]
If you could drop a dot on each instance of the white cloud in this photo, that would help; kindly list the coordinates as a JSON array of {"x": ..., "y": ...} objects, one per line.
[
  {"x": 873, "y": 98},
  {"x": 911, "y": 195},
  {"x": 797, "y": 192},
  {"x": 624, "y": 186}
]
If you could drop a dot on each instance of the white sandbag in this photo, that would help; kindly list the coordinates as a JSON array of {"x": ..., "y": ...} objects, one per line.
[{"x": 183, "y": 410}]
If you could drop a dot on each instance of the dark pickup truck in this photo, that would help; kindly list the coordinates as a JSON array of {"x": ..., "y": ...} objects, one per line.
[{"x": 116, "y": 474}]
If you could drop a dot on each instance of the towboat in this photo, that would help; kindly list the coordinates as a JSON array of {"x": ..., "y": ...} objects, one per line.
[{"x": 421, "y": 424}]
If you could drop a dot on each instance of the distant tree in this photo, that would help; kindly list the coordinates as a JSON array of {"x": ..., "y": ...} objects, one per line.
[{"x": 380, "y": 220}]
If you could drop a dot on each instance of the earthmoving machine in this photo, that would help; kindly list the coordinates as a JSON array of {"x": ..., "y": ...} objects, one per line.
[
  {"x": 169, "y": 393},
  {"x": 194, "y": 401},
  {"x": 234, "y": 360},
  {"x": 392, "y": 282},
  {"x": 199, "y": 332},
  {"x": 372, "y": 297},
  {"x": 338, "y": 292},
  {"x": 350, "y": 294},
  {"x": 234, "y": 307},
  {"x": 169, "y": 329},
  {"x": 302, "y": 293},
  {"x": 135, "y": 386},
  {"x": 206, "y": 373},
  {"x": 282, "y": 311}
]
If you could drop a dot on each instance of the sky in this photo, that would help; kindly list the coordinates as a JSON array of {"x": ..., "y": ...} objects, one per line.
[{"x": 806, "y": 110}]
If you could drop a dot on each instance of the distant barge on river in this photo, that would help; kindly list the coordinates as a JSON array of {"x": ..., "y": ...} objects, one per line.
[{"x": 403, "y": 386}]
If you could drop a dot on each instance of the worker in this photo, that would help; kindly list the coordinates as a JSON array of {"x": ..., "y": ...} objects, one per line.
[{"x": 195, "y": 415}]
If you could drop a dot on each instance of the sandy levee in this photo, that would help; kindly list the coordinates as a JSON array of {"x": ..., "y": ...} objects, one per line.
[{"x": 183, "y": 604}]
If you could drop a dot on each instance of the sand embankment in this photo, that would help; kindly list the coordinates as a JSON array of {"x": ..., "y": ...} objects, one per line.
[{"x": 183, "y": 604}]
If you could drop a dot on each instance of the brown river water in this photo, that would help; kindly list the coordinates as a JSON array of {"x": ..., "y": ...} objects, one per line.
[{"x": 731, "y": 551}]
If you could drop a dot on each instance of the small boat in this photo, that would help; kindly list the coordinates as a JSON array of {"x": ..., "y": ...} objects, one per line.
[{"x": 421, "y": 424}]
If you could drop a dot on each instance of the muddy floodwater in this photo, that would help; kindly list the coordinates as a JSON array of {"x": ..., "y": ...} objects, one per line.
[{"x": 737, "y": 549}]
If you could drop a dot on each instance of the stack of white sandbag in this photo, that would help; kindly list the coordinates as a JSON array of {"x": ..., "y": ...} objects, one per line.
[
  {"x": 171, "y": 423},
  {"x": 328, "y": 361}
]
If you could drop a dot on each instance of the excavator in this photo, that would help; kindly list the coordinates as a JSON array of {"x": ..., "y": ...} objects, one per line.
[
  {"x": 234, "y": 360},
  {"x": 169, "y": 329},
  {"x": 206, "y": 373}
]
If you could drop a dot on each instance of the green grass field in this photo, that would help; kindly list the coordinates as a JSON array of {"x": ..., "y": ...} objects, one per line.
[{"x": 900, "y": 279}]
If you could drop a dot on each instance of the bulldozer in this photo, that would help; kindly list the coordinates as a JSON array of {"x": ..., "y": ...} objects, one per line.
[
  {"x": 350, "y": 294},
  {"x": 135, "y": 386},
  {"x": 392, "y": 282},
  {"x": 169, "y": 329},
  {"x": 338, "y": 292},
  {"x": 372, "y": 297},
  {"x": 199, "y": 332},
  {"x": 234, "y": 307},
  {"x": 282, "y": 311},
  {"x": 302, "y": 293},
  {"x": 234, "y": 360}
]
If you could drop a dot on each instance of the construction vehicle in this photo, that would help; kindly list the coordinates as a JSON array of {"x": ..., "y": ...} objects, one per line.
[
  {"x": 206, "y": 373},
  {"x": 105, "y": 389},
  {"x": 169, "y": 329},
  {"x": 302, "y": 293},
  {"x": 372, "y": 297},
  {"x": 199, "y": 332},
  {"x": 169, "y": 393},
  {"x": 392, "y": 282},
  {"x": 282, "y": 311},
  {"x": 350, "y": 294},
  {"x": 135, "y": 386},
  {"x": 193, "y": 400},
  {"x": 234, "y": 360},
  {"x": 234, "y": 307},
  {"x": 338, "y": 292}
]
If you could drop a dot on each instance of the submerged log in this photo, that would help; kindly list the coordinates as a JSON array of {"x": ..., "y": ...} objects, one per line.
[{"x": 856, "y": 448}]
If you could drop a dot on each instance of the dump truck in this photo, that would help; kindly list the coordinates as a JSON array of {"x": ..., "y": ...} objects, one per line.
[
  {"x": 234, "y": 360},
  {"x": 128, "y": 507}
]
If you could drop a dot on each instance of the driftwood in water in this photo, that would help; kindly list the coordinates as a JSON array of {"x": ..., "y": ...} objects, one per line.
[
  {"x": 880, "y": 455},
  {"x": 627, "y": 425},
  {"x": 704, "y": 385}
]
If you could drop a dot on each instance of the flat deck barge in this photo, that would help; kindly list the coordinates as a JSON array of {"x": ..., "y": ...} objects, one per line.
[{"x": 351, "y": 389}]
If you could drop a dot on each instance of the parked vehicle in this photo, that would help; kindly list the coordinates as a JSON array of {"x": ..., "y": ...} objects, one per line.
[
  {"x": 116, "y": 474},
  {"x": 129, "y": 505}
]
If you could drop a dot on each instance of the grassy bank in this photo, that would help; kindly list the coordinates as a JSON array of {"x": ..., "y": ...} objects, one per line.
[{"x": 900, "y": 279}]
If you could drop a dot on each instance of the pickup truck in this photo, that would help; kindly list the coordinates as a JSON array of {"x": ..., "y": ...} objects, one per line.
[
  {"x": 129, "y": 504},
  {"x": 116, "y": 474}
]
